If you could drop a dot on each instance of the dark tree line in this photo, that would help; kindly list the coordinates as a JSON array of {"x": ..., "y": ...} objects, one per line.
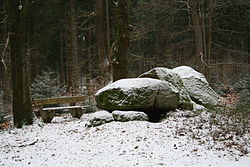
[
  {"x": 97, "y": 41},
  {"x": 211, "y": 36}
]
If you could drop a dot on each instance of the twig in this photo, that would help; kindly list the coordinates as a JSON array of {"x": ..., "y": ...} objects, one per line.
[
  {"x": 202, "y": 60},
  {"x": 215, "y": 65},
  {"x": 4, "y": 20},
  {"x": 28, "y": 144}
]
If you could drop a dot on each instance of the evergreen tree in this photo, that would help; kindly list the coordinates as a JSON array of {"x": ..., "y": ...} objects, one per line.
[{"x": 45, "y": 85}]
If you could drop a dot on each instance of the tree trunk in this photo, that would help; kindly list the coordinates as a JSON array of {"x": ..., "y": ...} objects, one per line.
[
  {"x": 103, "y": 42},
  {"x": 61, "y": 63},
  {"x": 89, "y": 44},
  {"x": 73, "y": 66},
  {"x": 121, "y": 45},
  {"x": 209, "y": 39},
  {"x": 197, "y": 24},
  {"x": 22, "y": 108},
  {"x": 5, "y": 65},
  {"x": 7, "y": 88}
]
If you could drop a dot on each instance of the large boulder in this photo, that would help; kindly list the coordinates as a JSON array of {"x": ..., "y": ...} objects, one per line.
[
  {"x": 124, "y": 116},
  {"x": 166, "y": 74},
  {"x": 99, "y": 118},
  {"x": 197, "y": 86},
  {"x": 141, "y": 94}
]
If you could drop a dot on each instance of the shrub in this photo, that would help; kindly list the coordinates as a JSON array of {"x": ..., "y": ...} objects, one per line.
[
  {"x": 243, "y": 89},
  {"x": 236, "y": 105}
]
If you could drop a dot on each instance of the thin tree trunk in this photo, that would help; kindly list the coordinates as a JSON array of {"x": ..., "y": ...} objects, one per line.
[
  {"x": 198, "y": 35},
  {"x": 22, "y": 108},
  {"x": 209, "y": 30},
  {"x": 7, "y": 90},
  {"x": 6, "y": 66},
  {"x": 61, "y": 66},
  {"x": 73, "y": 73},
  {"x": 209, "y": 43},
  {"x": 67, "y": 57},
  {"x": 102, "y": 36},
  {"x": 89, "y": 52},
  {"x": 121, "y": 45}
]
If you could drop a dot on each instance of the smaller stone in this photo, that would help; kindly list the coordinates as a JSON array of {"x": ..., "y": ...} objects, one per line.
[
  {"x": 198, "y": 107},
  {"x": 99, "y": 118},
  {"x": 125, "y": 116}
]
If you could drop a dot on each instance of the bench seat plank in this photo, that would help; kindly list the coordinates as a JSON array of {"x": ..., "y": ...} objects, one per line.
[
  {"x": 58, "y": 100},
  {"x": 61, "y": 108}
]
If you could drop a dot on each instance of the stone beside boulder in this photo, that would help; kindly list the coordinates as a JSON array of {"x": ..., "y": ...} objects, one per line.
[
  {"x": 99, "y": 118},
  {"x": 198, "y": 107},
  {"x": 142, "y": 94},
  {"x": 168, "y": 75},
  {"x": 125, "y": 116},
  {"x": 197, "y": 86}
]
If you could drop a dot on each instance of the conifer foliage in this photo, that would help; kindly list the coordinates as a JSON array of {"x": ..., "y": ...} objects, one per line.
[{"x": 45, "y": 85}]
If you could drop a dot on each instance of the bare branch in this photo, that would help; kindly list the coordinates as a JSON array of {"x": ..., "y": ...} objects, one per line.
[
  {"x": 202, "y": 60},
  {"x": 26, "y": 144},
  {"x": 4, "y": 20},
  {"x": 4, "y": 50},
  {"x": 217, "y": 64}
]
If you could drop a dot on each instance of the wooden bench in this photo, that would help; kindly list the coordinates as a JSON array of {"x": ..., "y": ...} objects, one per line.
[{"x": 48, "y": 113}]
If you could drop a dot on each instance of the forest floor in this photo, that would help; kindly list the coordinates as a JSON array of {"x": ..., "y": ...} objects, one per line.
[{"x": 181, "y": 139}]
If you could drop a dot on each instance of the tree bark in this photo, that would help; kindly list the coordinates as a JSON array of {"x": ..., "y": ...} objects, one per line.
[
  {"x": 22, "y": 106},
  {"x": 102, "y": 36},
  {"x": 5, "y": 65},
  {"x": 7, "y": 89},
  {"x": 121, "y": 45},
  {"x": 89, "y": 44},
  {"x": 197, "y": 24},
  {"x": 73, "y": 64},
  {"x": 61, "y": 63}
]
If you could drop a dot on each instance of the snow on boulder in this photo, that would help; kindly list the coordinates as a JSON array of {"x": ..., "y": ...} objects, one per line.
[
  {"x": 166, "y": 74},
  {"x": 143, "y": 94},
  {"x": 125, "y": 116},
  {"x": 197, "y": 86},
  {"x": 99, "y": 118}
]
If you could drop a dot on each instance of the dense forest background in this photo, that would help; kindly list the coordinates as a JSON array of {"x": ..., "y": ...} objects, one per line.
[{"x": 77, "y": 39}]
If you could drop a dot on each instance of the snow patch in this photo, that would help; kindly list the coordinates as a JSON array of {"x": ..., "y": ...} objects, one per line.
[
  {"x": 175, "y": 142},
  {"x": 188, "y": 72},
  {"x": 128, "y": 84}
]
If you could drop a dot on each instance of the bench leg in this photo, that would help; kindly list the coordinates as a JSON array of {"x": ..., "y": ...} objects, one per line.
[
  {"x": 76, "y": 112},
  {"x": 47, "y": 116}
]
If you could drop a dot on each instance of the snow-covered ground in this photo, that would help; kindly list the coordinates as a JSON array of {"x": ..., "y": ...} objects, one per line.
[{"x": 178, "y": 141}]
